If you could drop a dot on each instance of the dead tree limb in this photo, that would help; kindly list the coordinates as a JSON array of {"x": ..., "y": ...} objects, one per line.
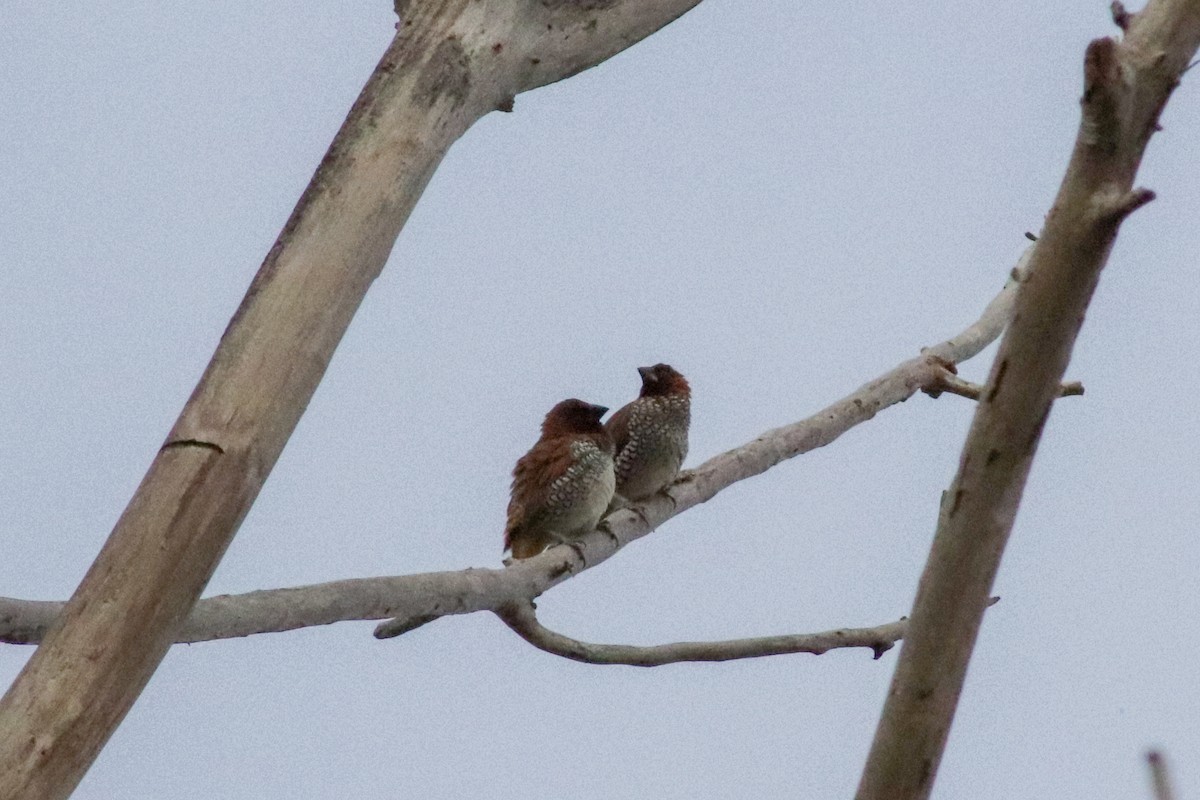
[
  {"x": 450, "y": 63},
  {"x": 417, "y": 599},
  {"x": 1126, "y": 85},
  {"x": 521, "y": 617}
]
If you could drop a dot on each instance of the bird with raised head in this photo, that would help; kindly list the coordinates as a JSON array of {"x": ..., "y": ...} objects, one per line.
[
  {"x": 651, "y": 434},
  {"x": 563, "y": 485}
]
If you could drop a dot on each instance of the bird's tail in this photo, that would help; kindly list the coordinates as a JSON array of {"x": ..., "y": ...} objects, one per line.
[{"x": 525, "y": 545}]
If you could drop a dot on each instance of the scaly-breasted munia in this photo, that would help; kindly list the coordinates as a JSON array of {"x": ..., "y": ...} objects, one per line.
[
  {"x": 651, "y": 433},
  {"x": 563, "y": 485}
]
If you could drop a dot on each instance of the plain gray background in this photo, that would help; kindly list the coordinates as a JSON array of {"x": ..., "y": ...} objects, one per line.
[{"x": 781, "y": 199}]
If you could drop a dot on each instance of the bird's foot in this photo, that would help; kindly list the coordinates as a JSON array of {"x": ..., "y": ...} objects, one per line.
[
  {"x": 574, "y": 544},
  {"x": 607, "y": 530}
]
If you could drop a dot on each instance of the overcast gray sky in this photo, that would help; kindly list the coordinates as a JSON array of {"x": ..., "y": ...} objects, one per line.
[{"x": 783, "y": 200}]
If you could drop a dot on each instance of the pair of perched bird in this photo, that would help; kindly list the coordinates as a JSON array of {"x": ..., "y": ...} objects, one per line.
[{"x": 580, "y": 468}]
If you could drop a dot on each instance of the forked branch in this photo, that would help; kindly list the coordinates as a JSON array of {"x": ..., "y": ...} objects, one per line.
[{"x": 413, "y": 600}]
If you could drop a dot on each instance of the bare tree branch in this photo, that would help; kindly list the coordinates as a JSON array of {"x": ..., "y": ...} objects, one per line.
[
  {"x": 522, "y": 618},
  {"x": 1160, "y": 779},
  {"x": 1126, "y": 85},
  {"x": 414, "y": 600},
  {"x": 952, "y": 384},
  {"x": 451, "y": 62}
]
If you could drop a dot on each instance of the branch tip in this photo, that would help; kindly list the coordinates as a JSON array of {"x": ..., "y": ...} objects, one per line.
[
  {"x": 1100, "y": 64},
  {"x": 1120, "y": 17},
  {"x": 392, "y": 628},
  {"x": 1136, "y": 199},
  {"x": 520, "y": 616},
  {"x": 1115, "y": 209},
  {"x": 1101, "y": 126},
  {"x": 1160, "y": 780}
]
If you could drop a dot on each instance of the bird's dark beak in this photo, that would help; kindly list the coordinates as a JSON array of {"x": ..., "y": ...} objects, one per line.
[
  {"x": 600, "y": 410},
  {"x": 646, "y": 372}
]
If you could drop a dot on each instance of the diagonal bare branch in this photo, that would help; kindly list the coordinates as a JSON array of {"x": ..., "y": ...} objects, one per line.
[
  {"x": 521, "y": 616},
  {"x": 769, "y": 449},
  {"x": 450, "y": 63},
  {"x": 1126, "y": 85},
  {"x": 414, "y": 600}
]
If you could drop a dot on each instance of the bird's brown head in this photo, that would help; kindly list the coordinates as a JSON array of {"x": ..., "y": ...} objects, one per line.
[
  {"x": 662, "y": 379},
  {"x": 573, "y": 416}
]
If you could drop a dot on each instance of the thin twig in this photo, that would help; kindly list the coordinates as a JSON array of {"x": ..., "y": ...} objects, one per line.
[
  {"x": 952, "y": 384},
  {"x": 1160, "y": 780}
]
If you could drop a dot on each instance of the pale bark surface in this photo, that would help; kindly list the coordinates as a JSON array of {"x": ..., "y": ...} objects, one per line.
[
  {"x": 521, "y": 617},
  {"x": 1126, "y": 85},
  {"x": 414, "y": 600},
  {"x": 450, "y": 63}
]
